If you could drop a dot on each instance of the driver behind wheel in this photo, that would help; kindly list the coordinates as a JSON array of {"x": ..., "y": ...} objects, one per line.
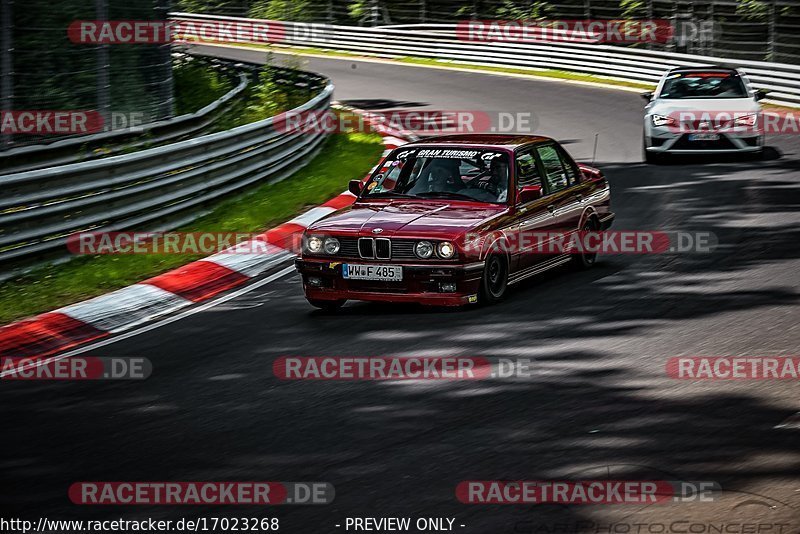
[
  {"x": 497, "y": 182},
  {"x": 442, "y": 177}
]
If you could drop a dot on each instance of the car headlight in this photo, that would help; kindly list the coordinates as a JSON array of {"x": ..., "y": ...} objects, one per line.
[
  {"x": 314, "y": 244},
  {"x": 663, "y": 120},
  {"x": 423, "y": 249},
  {"x": 331, "y": 245},
  {"x": 746, "y": 120},
  {"x": 446, "y": 250}
]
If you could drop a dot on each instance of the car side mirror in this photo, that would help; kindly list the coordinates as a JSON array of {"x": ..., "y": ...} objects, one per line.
[
  {"x": 529, "y": 193},
  {"x": 760, "y": 94},
  {"x": 354, "y": 187},
  {"x": 647, "y": 95}
]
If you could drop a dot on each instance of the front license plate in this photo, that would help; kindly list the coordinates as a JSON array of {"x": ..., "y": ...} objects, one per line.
[
  {"x": 704, "y": 137},
  {"x": 385, "y": 273}
]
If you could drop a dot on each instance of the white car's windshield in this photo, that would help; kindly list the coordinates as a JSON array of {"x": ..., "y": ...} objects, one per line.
[
  {"x": 703, "y": 85},
  {"x": 466, "y": 174}
]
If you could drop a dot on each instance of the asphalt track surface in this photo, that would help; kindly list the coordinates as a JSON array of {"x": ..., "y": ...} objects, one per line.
[{"x": 599, "y": 404}]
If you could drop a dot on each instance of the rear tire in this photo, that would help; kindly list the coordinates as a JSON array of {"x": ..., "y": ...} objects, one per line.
[
  {"x": 328, "y": 306},
  {"x": 583, "y": 260},
  {"x": 494, "y": 282}
]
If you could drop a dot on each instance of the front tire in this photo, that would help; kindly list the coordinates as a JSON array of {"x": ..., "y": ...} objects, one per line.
[
  {"x": 328, "y": 306},
  {"x": 652, "y": 158},
  {"x": 494, "y": 283}
]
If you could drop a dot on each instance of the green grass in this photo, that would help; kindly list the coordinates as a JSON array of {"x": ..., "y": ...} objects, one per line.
[
  {"x": 344, "y": 157},
  {"x": 544, "y": 73}
]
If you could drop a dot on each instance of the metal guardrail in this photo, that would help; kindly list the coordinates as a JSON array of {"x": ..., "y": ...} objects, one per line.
[
  {"x": 88, "y": 147},
  {"x": 439, "y": 42},
  {"x": 154, "y": 189}
]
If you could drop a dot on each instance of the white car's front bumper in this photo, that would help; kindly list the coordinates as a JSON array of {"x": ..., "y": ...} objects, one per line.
[{"x": 662, "y": 139}]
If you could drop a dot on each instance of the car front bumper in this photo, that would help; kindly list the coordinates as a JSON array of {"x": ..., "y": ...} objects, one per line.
[
  {"x": 660, "y": 140},
  {"x": 322, "y": 280}
]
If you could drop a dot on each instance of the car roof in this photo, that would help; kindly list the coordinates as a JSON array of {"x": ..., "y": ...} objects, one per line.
[
  {"x": 712, "y": 68},
  {"x": 509, "y": 141}
]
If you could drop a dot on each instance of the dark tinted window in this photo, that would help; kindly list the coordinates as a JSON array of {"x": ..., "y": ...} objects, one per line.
[{"x": 703, "y": 85}]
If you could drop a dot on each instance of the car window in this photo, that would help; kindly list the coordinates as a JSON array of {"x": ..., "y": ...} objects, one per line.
[
  {"x": 527, "y": 171},
  {"x": 433, "y": 172},
  {"x": 555, "y": 176},
  {"x": 703, "y": 85},
  {"x": 572, "y": 171}
]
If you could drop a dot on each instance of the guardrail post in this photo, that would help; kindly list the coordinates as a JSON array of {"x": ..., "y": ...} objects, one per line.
[
  {"x": 103, "y": 67},
  {"x": 374, "y": 13},
  {"x": 166, "y": 100},
  {"x": 6, "y": 64},
  {"x": 772, "y": 35},
  {"x": 713, "y": 29},
  {"x": 674, "y": 18},
  {"x": 587, "y": 9},
  {"x": 422, "y": 14}
]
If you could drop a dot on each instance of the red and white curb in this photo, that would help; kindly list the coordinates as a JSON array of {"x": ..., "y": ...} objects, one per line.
[{"x": 121, "y": 310}]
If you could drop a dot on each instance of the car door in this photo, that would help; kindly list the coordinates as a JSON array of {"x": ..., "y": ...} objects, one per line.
[
  {"x": 562, "y": 186},
  {"x": 534, "y": 219}
]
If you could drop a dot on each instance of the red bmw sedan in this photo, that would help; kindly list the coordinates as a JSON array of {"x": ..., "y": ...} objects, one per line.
[{"x": 444, "y": 222}]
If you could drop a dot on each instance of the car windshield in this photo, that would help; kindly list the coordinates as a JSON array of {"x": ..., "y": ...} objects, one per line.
[
  {"x": 703, "y": 85},
  {"x": 460, "y": 174}
]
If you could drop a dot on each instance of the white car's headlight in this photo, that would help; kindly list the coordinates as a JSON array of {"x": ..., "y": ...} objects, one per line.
[
  {"x": 331, "y": 245},
  {"x": 746, "y": 120},
  {"x": 663, "y": 120},
  {"x": 314, "y": 244},
  {"x": 446, "y": 250},
  {"x": 423, "y": 249}
]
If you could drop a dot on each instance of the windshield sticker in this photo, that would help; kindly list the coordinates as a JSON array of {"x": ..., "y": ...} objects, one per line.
[{"x": 446, "y": 153}]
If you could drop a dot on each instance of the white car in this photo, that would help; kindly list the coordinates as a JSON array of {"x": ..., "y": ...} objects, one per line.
[{"x": 701, "y": 110}]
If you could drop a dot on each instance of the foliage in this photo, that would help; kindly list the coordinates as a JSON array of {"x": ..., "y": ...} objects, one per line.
[
  {"x": 529, "y": 11},
  {"x": 295, "y": 10},
  {"x": 197, "y": 84}
]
